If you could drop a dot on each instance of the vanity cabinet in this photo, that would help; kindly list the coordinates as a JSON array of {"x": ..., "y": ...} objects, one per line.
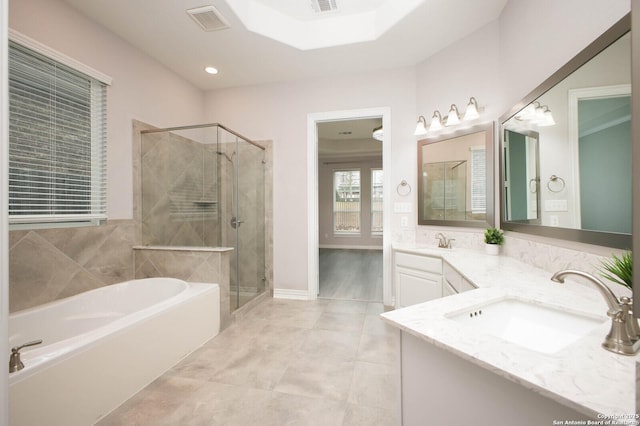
[
  {"x": 417, "y": 278},
  {"x": 453, "y": 281}
]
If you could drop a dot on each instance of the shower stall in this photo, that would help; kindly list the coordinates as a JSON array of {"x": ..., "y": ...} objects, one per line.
[{"x": 204, "y": 186}]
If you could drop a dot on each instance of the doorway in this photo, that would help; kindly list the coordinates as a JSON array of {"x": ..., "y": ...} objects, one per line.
[
  {"x": 350, "y": 200},
  {"x": 352, "y": 230}
]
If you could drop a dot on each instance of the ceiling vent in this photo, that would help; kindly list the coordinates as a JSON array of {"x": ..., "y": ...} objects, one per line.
[
  {"x": 322, "y": 6},
  {"x": 208, "y": 18}
]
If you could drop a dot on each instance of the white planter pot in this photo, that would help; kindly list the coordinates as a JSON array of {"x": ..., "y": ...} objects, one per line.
[{"x": 493, "y": 249}]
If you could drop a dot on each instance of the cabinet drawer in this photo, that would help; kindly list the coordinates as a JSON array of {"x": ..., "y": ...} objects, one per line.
[{"x": 421, "y": 263}]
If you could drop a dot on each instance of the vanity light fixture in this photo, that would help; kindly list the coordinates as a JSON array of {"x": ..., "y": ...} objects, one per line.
[
  {"x": 472, "y": 110},
  {"x": 436, "y": 121},
  {"x": 211, "y": 70},
  {"x": 454, "y": 116},
  {"x": 421, "y": 126},
  {"x": 544, "y": 118},
  {"x": 537, "y": 114},
  {"x": 378, "y": 134}
]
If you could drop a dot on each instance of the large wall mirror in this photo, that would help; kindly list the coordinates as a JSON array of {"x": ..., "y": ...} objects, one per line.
[
  {"x": 565, "y": 150},
  {"x": 455, "y": 178}
]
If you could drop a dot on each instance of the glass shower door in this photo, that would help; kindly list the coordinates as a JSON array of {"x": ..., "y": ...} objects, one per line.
[{"x": 250, "y": 222}]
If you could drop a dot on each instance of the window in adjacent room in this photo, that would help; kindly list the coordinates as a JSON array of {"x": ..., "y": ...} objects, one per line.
[
  {"x": 346, "y": 201},
  {"x": 57, "y": 142},
  {"x": 376, "y": 201}
]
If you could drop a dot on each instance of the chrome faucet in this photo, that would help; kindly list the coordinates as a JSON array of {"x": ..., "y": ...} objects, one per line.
[
  {"x": 443, "y": 242},
  {"x": 15, "y": 364},
  {"x": 621, "y": 339}
]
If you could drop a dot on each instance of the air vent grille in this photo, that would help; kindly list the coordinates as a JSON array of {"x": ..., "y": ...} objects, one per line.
[
  {"x": 322, "y": 6},
  {"x": 208, "y": 18}
]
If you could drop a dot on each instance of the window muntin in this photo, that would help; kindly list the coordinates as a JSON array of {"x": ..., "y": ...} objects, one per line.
[
  {"x": 57, "y": 142},
  {"x": 377, "y": 199}
]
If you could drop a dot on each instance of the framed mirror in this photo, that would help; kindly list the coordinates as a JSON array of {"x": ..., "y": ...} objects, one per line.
[
  {"x": 565, "y": 149},
  {"x": 456, "y": 179}
]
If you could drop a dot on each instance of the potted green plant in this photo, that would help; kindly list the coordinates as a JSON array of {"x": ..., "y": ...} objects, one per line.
[
  {"x": 618, "y": 269},
  {"x": 493, "y": 239}
]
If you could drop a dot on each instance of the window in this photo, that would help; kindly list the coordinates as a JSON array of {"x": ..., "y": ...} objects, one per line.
[
  {"x": 478, "y": 180},
  {"x": 346, "y": 202},
  {"x": 57, "y": 141},
  {"x": 376, "y": 201}
]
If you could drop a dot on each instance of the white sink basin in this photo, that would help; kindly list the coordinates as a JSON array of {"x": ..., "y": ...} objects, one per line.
[{"x": 535, "y": 326}]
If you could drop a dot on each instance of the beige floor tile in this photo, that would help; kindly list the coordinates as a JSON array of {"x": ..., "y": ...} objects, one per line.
[
  {"x": 358, "y": 415},
  {"x": 222, "y": 404},
  {"x": 374, "y": 385},
  {"x": 375, "y": 308},
  {"x": 347, "y": 306},
  {"x": 296, "y": 410},
  {"x": 155, "y": 403},
  {"x": 340, "y": 321},
  {"x": 374, "y": 324},
  {"x": 331, "y": 343},
  {"x": 250, "y": 366},
  {"x": 318, "y": 377},
  {"x": 379, "y": 349}
]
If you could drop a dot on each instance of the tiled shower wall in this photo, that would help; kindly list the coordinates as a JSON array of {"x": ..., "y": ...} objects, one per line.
[{"x": 179, "y": 201}]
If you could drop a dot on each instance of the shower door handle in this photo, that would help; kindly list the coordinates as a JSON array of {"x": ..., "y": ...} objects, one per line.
[{"x": 235, "y": 223}]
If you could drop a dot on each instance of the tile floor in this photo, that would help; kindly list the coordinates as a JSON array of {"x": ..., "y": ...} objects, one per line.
[{"x": 327, "y": 362}]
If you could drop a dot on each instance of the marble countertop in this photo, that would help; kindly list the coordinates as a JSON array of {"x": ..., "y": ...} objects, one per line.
[{"x": 583, "y": 375}]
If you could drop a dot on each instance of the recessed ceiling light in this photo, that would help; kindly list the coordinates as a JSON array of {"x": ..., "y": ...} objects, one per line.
[{"x": 211, "y": 70}]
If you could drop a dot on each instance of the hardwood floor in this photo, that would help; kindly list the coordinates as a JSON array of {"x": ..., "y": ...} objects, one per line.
[{"x": 351, "y": 274}]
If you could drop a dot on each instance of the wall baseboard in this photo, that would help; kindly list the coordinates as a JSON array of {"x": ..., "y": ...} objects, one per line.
[
  {"x": 285, "y": 293},
  {"x": 349, "y": 247}
]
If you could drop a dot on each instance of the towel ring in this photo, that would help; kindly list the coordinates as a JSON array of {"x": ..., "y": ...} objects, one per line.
[
  {"x": 558, "y": 181},
  {"x": 403, "y": 188}
]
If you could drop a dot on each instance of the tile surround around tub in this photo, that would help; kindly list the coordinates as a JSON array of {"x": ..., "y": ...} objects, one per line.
[{"x": 49, "y": 264}]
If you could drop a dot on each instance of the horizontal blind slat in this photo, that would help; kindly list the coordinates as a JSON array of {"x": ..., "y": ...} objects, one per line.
[{"x": 57, "y": 137}]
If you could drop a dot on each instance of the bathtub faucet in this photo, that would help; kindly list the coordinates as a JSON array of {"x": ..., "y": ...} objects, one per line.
[{"x": 14, "y": 361}]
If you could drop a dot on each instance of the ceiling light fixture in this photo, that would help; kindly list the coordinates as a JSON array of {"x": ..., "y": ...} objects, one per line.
[
  {"x": 378, "y": 134},
  {"x": 454, "y": 116},
  {"x": 211, "y": 70},
  {"x": 421, "y": 126}
]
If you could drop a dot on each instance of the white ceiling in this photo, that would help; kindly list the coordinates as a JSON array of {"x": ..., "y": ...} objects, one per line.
[
  {"x": 164, "y": 30},
  {"x": 349, "y": 138}
]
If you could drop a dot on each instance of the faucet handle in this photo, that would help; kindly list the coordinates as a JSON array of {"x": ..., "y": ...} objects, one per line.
[
  {"x": 449, "y": 242},
  {"x": 24, "y": 345},
  {"x": 15, "y": 364}
]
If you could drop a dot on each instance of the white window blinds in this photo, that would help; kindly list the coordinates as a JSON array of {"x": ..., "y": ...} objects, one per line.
[
  {"x": 478, "y": 180},
  {"x": 57, "y": 141}
]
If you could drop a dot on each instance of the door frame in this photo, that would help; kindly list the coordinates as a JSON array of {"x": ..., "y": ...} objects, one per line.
[{"x": 313, "y": 119}]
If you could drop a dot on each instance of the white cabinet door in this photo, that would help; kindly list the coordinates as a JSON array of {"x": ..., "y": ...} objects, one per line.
[{"x": 417, "y": 286}]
